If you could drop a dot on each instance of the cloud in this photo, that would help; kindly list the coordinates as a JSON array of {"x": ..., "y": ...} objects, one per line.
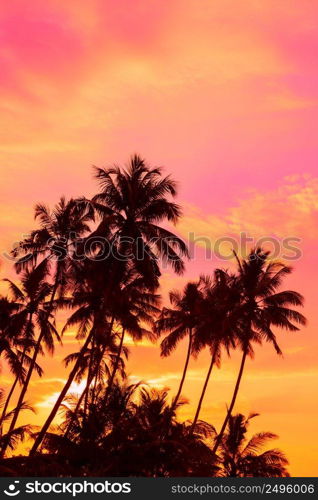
[{"x": 289, "y": 211}]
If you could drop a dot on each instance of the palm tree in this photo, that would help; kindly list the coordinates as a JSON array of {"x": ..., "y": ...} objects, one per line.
[
  {"x": 11, "y": 438},
  {"x": 133, "y": 306},
  {"x": 134, "y": 434},
  {"x": 260, "y": 308},
  {"x": 214, "y": 326},
  {"x": 16, "y": 333},
  {"x": 55, "y": 241},
  {"x": 132, "y": 203},
  {"x": 162, "y": 446},
  {"x": 105, "y": 359},
  {"x": 180, "y": 321},
  {"x": 11, "y": 339},
  {"x": 31, "y": 299},
  {"x": 244, "y": 458}
]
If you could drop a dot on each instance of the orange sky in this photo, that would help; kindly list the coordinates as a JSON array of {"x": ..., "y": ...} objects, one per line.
[{"x": 224, "y": 95}]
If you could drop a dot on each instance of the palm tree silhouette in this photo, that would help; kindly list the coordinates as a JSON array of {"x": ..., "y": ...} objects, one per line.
[
  {"x": 214, "y": 328},
  {"x": 11, "y": 438},
  {"x": 180, "y": 321},
  {"x": 139, "y": 425},
  {"x": 101, "y": 260},
  {"x": 61, "y": 229},
  {"x": 244, "y": 458},
  {"x": 11, "y": 339},
  {"x": 132, "y": 203},
  {"x": 15, "y": 335},
  {"x": 133, "y": 307},
  {"x": 260, "y": 308},
  {"x": 31, "y": 299}
]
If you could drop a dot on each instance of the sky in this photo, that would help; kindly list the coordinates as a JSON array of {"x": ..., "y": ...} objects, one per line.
[{"x": 221, "y": 93}]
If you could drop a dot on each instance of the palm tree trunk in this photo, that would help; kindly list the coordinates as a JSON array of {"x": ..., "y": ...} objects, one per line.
[
  {"x": 23, "y": 391},
  {"x": 229, "y": 412},
  {"x": 112, "y": 377},
  {"x": 29, "y": 374},
  {"x": 61, "y": 397},
  {"x": 176, "y": 399},
  {"x": 4, "y": 411},
  {"x": 197, "y": 413},
  {"x": 84, "y": 393},
  {"x": 98, "y": 368},
  {"x": 65, "y": 389},
  {"x": 89, "y": 377}
]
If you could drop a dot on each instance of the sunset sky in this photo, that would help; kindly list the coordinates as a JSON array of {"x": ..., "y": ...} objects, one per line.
[{"x": 224, "y": 95}]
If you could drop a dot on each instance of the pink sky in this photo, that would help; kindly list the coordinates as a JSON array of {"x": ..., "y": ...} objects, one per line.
[{"x": 224, "y": 95}]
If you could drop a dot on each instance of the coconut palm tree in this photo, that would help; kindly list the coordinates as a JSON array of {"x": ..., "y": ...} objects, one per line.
[
  {"x": 50, "y": 247},
  {"x": 11, "y": 438},
  {"x": 16, "y": 340},
  {"x": 162, "y": 446},
  {"x": 11, "y": 339},
  {"x": 31, "y": 298},
  {"x": 56, "y": 239},
  {"x": 241, "y": 457},
  {"x": 134, "y": 434},
  {"x": 105, "y": 358},
  {"x": 134, "y": 306},
  {"x": 180, "y": 321},
  {"x": 132, "y": 203},
  {"x": 260, "y": 308},
  {"x": 214, "y": 327},
  {"x": 52, "y": 244}
]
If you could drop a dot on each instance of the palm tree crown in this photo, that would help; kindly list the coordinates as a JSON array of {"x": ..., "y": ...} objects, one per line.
[
  {"x": 244, "y": 458},
  {"x": 134, "y": 201}
]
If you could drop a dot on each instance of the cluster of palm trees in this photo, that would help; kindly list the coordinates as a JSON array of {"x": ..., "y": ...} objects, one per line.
[{"x": 100, "y": 260}]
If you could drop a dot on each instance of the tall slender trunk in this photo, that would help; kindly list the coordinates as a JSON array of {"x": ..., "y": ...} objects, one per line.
[
  {"x": 229, "y": 412},
  {"x": 71, "y": 377},
  {"x": 61, "y": 397},
  {"x": 197, "y": 413},
  {"x": 176, "y": 399},
  {"x": 98, "y": 366},
  {"x": 4, "y": 411},
  {"x": 115, "y": 368},
  {"x": 23, "y": 392},
  {"x": 85, "y": 391},
  {"x": 89, "y": 377},
  {"x": 31, "y": 368}
]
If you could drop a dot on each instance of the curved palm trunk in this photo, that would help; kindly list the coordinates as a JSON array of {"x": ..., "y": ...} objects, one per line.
[
  {"x": 229, "y": 412},
  {"x": 85, "y": 391},
  {"x": 61, "y": 397},
  {"x": 4, "y": 411},
  {"x": 197, "y": 413},
  {"x": 28, "y": 376},
  {"x": 31, "y": 367},
  {"x": 23, "y": 392},
  {"x": 71, "y": 377},
  {"x": 112, "y": 377},
  {"x": 89, "y": 378},
  {"x": 185, "y": 369}
]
